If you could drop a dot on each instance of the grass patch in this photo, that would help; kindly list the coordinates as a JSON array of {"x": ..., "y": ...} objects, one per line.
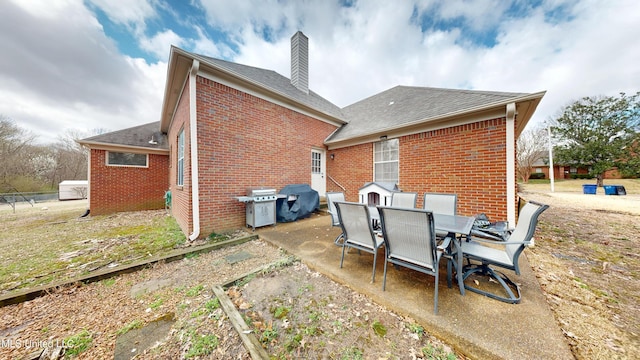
[
  {"x": 202, "y": 345},
  {"x": 39, "y": 248},
  {"x": 78, "y": 343},
  {"x": 135, "y": 324}
]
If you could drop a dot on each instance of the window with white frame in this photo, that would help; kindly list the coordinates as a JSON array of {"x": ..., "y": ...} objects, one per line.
[
  {"x": 386, "y": 155},
  {"x": 127, "y": 159},
  {"x": 180, "y": 164}
]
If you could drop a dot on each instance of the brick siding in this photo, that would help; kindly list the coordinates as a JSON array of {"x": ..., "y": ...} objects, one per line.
[
  {"x": 243, "y": 141},
  {"x": 126, "y": 188},
  {"x": 468, "y": 160}
]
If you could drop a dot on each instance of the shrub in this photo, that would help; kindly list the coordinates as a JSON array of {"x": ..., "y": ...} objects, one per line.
[
  {"x": 581, "y": 176},
  {"x": 536, "y": 176}
]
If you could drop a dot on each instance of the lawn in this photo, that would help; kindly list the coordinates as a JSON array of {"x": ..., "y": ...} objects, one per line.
[{"x": 632, "y": 186}]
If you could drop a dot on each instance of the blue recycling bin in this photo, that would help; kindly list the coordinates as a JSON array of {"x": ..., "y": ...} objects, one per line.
[
  {"x": 615, "y": 190},
  {"x": 589, "y": 189}
]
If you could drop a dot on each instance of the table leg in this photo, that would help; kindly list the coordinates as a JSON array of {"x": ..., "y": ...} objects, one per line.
[{"x": 458, "y": 258}]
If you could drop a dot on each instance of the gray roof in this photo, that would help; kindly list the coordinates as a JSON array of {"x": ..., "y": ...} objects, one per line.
[
  {"x": 273, "y": 81},
  {"x": 137, "y": 136},
  {"x": 406, "y": 105}
]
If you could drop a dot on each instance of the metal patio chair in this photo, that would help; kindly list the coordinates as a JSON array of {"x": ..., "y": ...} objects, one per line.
[
  {"x": 441, "y": 203},
  {"x": 404, "y": 200},
  {"x": 332, "y": 198},
  {"x": 410, "y": 241},
  {"x": 358, "y": 233},
  {"x": 502, "y": 254}
]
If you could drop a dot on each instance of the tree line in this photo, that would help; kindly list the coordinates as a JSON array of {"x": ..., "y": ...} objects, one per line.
[
  {"x": 598, "y": 132},
  {"x": 26, "y": 166}
]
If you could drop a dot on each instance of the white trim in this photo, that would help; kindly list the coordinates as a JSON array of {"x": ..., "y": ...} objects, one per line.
[
  {"x": 511, "y": 163},
  {"x": 193, "y": 127},
  {"x": 262, "y": 96}
]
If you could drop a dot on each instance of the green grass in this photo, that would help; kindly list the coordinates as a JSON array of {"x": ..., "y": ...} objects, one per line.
[
  {"x": 135, "y": 324},
  {"x": 33, "y": 244},
  {"x": 78, "y": 343}
]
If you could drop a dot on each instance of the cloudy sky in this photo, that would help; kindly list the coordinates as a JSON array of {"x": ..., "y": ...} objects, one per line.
[{"x": 73, "y": 65}]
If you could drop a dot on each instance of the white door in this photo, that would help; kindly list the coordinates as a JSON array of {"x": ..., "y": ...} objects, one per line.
[{"x": 318, "y": 169}]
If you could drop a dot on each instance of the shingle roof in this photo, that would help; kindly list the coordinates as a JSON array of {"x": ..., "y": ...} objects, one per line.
[
  {"x": 137, "y": 136},
  {"x": 406, "y": 105},
  {"x": 273, "y": 81}
]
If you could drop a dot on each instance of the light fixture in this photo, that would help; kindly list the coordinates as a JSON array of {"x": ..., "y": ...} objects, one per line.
[
  {"x": 333, "y": 156},
  {"x": 383, "y": 137}
]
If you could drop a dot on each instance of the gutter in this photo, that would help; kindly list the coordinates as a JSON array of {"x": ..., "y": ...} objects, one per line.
[
  {"x": 511, "y": 163},
  {"x": 193, "y": 130}
]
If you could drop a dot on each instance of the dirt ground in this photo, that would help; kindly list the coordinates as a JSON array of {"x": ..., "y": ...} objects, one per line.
[
  {"x": 293, "y": 311},
  {"x": 585, "y": 258},
  {"x": 587, "y": 263}
]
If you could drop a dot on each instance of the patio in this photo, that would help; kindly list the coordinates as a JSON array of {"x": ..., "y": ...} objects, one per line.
[{"x": 477, "y": 326}]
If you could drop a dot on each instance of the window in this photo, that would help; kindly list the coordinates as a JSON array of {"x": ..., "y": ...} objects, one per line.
[
  {"x": 316, "y": 162},
  {"x": 538, "y": 170},
  {"x": 386, "y": 156},
  {"x": 126, "y": 159},
  {"x": 180, "y": 165}
]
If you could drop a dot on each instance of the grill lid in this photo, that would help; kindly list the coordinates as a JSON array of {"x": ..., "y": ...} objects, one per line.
[{"x": 260, "y": 192}]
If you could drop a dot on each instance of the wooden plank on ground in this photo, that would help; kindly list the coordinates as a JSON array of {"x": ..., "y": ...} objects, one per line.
[{"x": 250, "y": 342}]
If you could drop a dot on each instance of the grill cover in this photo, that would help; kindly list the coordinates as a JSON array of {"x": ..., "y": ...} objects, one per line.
[{"x": 297, "y": 201}]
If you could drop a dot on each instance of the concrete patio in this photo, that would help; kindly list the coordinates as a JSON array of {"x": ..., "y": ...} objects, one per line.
[{"x": 475, "y": 325}]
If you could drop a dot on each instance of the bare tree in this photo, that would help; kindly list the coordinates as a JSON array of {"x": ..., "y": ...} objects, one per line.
[
  {"x": 531, "y": 146},
  {"x": 15, "y": 154}
]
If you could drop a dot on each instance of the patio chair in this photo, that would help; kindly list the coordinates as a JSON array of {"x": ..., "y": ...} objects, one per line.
[
  {"x": 358, "y": 233},
  {"x": 404, "y": 200},
  {"x": 409, "y": 238},
  {"x": 332, "y": 198},
  {"x": 440, "y": 203},
  {"x": 502, "y": 254}
]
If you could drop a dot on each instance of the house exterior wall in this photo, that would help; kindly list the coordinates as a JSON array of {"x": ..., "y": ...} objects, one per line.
[
  {"x": 126, "y": 188},
  {"x": 181, "y": 207},
  {"x": 243, "y": 141},
  {"x": 468, "y": 160}
]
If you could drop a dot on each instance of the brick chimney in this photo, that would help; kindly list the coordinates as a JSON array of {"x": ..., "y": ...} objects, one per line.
[{"x": 300, "y": 62}]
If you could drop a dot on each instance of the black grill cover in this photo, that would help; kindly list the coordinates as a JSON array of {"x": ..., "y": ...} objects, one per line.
[{"x": 298, "y": 202}]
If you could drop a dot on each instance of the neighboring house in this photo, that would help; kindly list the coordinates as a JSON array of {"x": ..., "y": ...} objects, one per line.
[
  {"x": 569, "y": 171},
  {"x": 230, "y": 127}
]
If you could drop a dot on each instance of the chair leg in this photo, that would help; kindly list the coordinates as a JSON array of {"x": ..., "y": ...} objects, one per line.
[
  {"x": 502, "y": 279},
  {"x": 342, "y": 258},
  {"x": 375, "y": 258},
  {"x": 384, "y": 276},
  {"x": 435, "y": 296},
  {"x": 339, "y": 241}
]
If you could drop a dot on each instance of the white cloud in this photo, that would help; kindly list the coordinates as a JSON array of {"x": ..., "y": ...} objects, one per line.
[
  {"x": 65, "y": 73},
  {"x": 160, "y": 43},
  {"x": 60, "y": 70}
]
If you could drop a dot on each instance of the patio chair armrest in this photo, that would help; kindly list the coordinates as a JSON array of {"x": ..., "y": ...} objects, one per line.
[{"x": 445, "y": 244}]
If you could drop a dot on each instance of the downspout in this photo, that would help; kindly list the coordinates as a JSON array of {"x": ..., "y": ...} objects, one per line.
[
  {"x": 511, "y": 164},
  {"x": 193, "y": 127}
]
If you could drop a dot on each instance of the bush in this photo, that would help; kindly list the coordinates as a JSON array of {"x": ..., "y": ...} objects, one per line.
[
  {"x": 536, "y": 176},
  {"x": 581, "y": 176}
]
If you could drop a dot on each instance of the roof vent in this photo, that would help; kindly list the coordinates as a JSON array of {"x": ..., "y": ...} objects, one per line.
[{"x": 300, "y": 62}]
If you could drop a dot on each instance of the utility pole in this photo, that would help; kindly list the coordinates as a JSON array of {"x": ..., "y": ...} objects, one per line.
[{"x": 551, "y": 176}]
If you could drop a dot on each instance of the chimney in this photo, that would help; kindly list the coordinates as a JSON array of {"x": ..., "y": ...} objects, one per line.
[{"x": 300, "y": 62}]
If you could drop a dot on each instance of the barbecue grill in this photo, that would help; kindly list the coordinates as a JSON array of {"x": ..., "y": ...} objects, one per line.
[{"x": 260, "y": 206}]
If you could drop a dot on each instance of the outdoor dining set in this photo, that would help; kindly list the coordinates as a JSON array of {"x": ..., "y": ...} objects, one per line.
[{"x": 419, "y": 239}]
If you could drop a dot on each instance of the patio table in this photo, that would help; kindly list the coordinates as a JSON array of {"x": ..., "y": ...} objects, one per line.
[{"x": 454, "y": 225}]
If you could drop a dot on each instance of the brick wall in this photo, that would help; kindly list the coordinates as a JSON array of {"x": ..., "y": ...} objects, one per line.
[
  {"x": 121, "y": 188},
  {"x": 181, "y": 207},
  {"x": 244, "y": 141},
  {"x": 467, "y": 160}
]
